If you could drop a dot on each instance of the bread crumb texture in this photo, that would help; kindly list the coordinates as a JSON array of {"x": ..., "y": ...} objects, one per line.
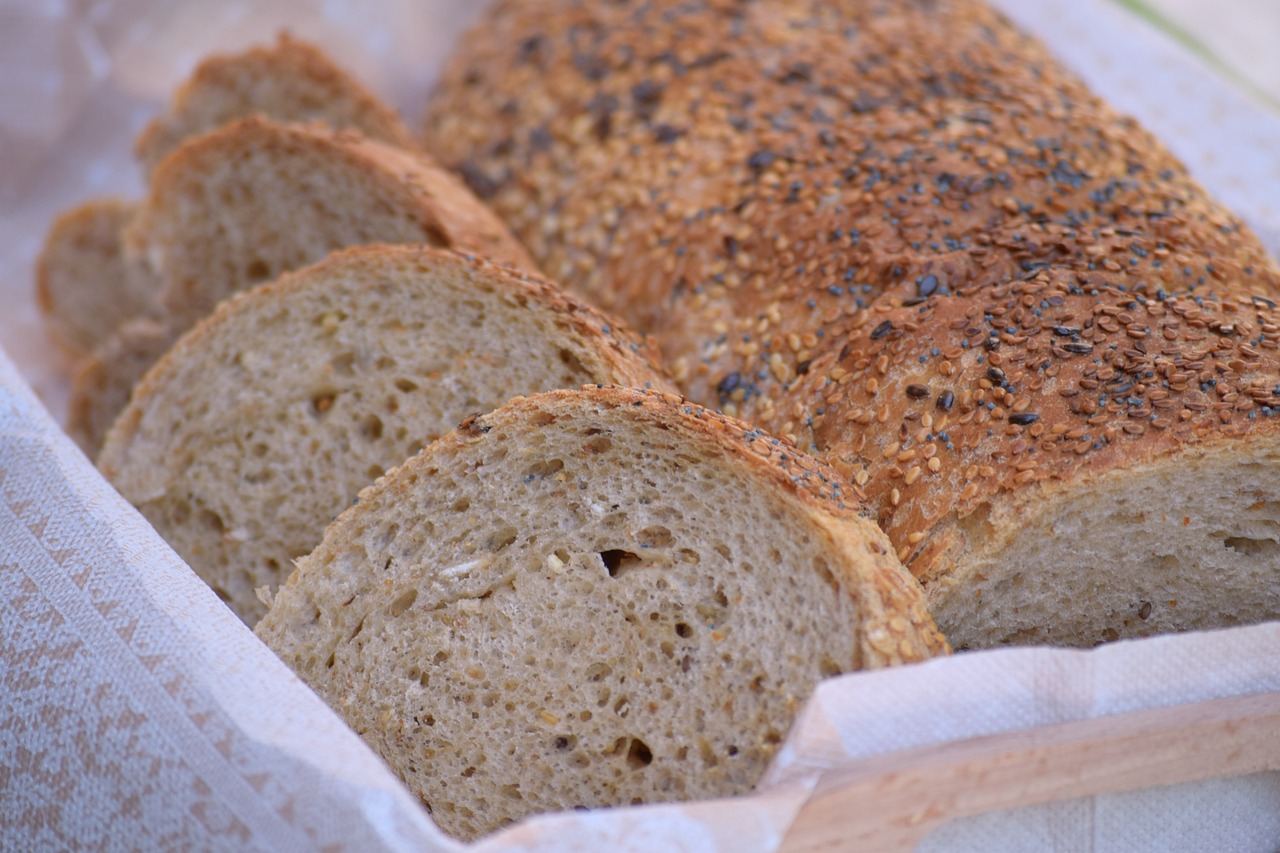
[
  {"x": 266, "y": 420},
  {"x": 591, "y": 598}
]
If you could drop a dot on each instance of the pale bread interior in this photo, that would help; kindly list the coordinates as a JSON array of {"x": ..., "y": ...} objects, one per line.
[
  {"x": 266, "y": 420},
  {"x": 584, "y": 608},
  {"x": 1174, "y": 545}
]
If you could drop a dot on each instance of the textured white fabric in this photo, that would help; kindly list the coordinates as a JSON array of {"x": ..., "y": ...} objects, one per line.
[{"x": 136, "y": 712}]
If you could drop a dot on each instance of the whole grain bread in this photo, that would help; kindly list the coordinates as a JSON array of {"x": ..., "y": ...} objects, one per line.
[
  {"x": 292, "y": 80},
  {"x": 85, "y": 286},
  {"x": 263, "y": 422},
  {"x": 238, "y": 206},
  {"x": 103, "y": 381},
  {"x": 854, "y": 222},
  {"x": 591, "y": 598}
]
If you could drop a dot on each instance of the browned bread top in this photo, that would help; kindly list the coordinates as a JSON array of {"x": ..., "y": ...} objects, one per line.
[
  {"x": 291, "y": 80},
  {"x": 738, "y": 178}
]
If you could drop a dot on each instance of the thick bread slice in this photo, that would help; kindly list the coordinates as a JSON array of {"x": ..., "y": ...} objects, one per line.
[
  {"x": 241, "y": 204},
  {"x": 290, "y": 81},
  {"x": 591, "y": 598},
  {"x": 265, "y": 420},
  {"x": 244, "y": 203},
  {"x": 1060, "y": 466},
  {"x": 104, "y": 380},
  {"x": 85, "y": 286}
]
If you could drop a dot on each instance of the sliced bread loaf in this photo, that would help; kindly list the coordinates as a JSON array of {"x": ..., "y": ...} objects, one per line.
[
  {"x": 591, "y": 598},
  {"x": 265, "y": 420},
  {"x": 85, "y": 286},
  {"x": 243, "y": 203},
  {"x": 104, "y": 381},
  {"x": 240, "y": 205},
  {"x": 292, "y": 80}
]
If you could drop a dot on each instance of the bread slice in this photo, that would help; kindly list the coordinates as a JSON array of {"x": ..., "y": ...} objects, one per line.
[
  {"x": 292, "y": 80},
  {"x": 84, "y": 282},
  {"x": 1061, "y": 466},
  {"x": 591, "y": 598},
  {"x": 241, "y": 204},
  {"x": 244, "y": 203},
  {"x": 264, "y": 421},
  {"x": 85, "y": 286},
  {"x": 104, "y": 381}
]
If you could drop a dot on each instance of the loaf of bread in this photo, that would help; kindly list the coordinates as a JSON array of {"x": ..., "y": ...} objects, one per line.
[
  {"x": 236, "y": 207},
  {"x": 263, "y": 422},
  {"x": 292, "y": 81},
  {"x": 900, "y": 233},
  {"x": 85, "y": 287},
  {"x": 591, "y": 598}
]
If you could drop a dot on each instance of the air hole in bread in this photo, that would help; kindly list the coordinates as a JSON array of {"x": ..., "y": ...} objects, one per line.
[
  {"x": 1253, "y": 548},
  {"x": 617, "y": 561},
  {"x": 371, "y": 428},
  {"x": 571, "y": 361},
  {"x": 599, "y": 444},
  {"x": 344, "y": 364},
  {"x": 403, "y": 602},
  {"x": 501, "y": 538},
  {"x": 407, "y": 386},
  {"x": 638, "y": 754},
  {"x": 542, "y": 470},
  {"x": 257, "y": 271},
  {"x": 656, "y": 537},
  {"x": 212, "y": 520},
  {"x": 828, "y": 667},
  {"x": 321, "y": 403},
  {"x": 683, "y": 630}
]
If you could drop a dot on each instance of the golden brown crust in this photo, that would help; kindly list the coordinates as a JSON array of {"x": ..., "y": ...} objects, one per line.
[
  {"x": 740, "y": 178},
  {"x": 223, "y": 85},
  {"x": 1018, "y": 389}
]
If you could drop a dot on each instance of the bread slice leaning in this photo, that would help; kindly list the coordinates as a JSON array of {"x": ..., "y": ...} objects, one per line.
[
  {"x": 291, "y": 80},
  {"x": 591, "y": 598},
  {"x": 264, "y": 422},
  {"x": 85, "y": 286},
  {"x": 240, "y": 205}
]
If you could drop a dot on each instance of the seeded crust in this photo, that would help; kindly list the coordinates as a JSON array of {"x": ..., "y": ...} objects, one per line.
[
  {"x": 291, "y": 81},
  {"x": 241, "y": 205},
  {"x": 266, "y": 420},
  {"x": 737, "y": 178},
  {"x": 800, "y": 199},
  {"x": 1027, "y": 445},
  {"x": 589, "y": 599},
  {"x": 85, "y": 286}
]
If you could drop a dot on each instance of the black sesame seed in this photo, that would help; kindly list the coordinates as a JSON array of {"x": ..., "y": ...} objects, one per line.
[
  {"x": 917, "y": 391},
  {"x": 881, "y": 330},
  {"x": 1023, "y": 419},
  {"x": 1078, "y": 348},
  {"x": 945, "y": 400},
  {"x": 927, "y": 286},
  {"x": 995, "y": 374}
]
